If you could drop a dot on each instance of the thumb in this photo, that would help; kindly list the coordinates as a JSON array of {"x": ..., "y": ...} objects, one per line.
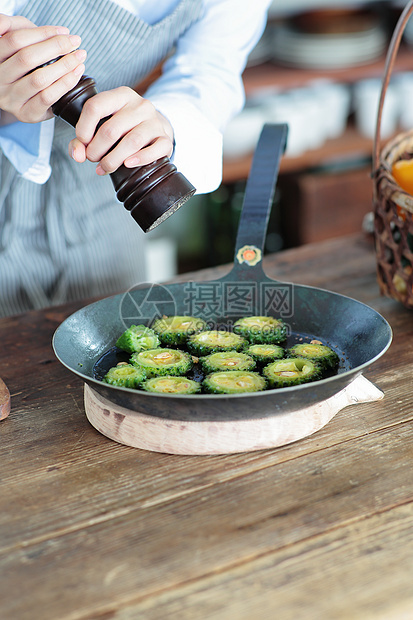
[{"x": 77, "y": 150}]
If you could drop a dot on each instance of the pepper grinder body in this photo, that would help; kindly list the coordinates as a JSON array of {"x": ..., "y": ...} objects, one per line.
[{"x": 152, "y": 192}]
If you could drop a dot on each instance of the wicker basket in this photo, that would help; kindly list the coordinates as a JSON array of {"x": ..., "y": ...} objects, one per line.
[{"x": 393, "y": 207}]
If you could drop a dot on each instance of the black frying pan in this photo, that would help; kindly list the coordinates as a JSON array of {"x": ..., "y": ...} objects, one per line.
[{"x": 84, "y": 342}]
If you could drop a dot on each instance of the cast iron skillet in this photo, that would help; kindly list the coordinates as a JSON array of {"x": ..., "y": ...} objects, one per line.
[{"x": 357, "y": 332}]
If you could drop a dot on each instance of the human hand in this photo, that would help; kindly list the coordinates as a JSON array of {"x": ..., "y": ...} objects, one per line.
[
  {"x": 26, "y": 92},
  {"x": 135, "y": 131}
]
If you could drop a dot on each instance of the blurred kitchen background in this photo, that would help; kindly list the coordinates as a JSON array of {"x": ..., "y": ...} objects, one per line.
[{"x": 318, "y": 67}]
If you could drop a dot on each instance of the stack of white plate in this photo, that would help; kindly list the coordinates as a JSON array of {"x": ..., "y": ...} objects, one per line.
[
  {"x": 327, "y": 51},
  {"x": 366, "y": 96},
  {"x": 314, "y": 114},
  {"x": 403, "y": 84}
]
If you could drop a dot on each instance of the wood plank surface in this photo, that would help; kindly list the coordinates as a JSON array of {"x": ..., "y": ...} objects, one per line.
[
  {"x": 248, "y": 517},
  {"x": 309, "y": 580},
  {"x": 321, "y": 528}
]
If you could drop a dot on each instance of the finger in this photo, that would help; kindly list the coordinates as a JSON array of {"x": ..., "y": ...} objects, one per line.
[
  {"x": 45, "y": 76},
  {"x": 21, "y": 39},
  {"x": 141, "y": 145},
  {"x": 98, "y": 107},
  {"x": 132, "y": 142},
  {"x": 109, "y": 134},
  {"x": 39, "y": 89},
  {"x": 158, "y": 149},
  {"x": 8, "y": 23},
  {"x": 28, "y": 58},
  {"x": 124, "y": 123},
  {"x": 77, "y": 150},
  {"x": 162, "y": 147},
  {"x": 36, "y": 108}
]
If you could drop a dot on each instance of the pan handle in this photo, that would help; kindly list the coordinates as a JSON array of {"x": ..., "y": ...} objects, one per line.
[{"x": 258, "y": 199}]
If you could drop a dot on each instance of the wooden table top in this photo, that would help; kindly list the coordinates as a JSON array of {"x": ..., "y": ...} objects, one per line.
[{"x": 319, "y": 529}]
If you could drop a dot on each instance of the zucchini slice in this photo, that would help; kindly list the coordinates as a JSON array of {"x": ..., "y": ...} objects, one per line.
[
  {"x": 264, "y": 354},
  {"x": 226, "y": 360},
  {"x": 317, "y": 352},
  {"x": 291, "y": 371},
  {"x": 171, "y": 385},
  {"x": 137, "y": 338},
  {"x": 233, "y": 382},
  {"x": 174, "y": 331},
  {"x": 212, "y": 341},
  {"x": 125, "y": 375},
  {"x": 162, "y": 361},
  {"x": 261, "y": 329}
]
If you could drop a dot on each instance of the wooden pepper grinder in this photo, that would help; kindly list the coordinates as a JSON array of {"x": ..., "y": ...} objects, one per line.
[{"x": 151, "y": 193}]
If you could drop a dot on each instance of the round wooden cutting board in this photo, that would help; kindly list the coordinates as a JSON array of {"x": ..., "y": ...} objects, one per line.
[
  {"x": 4, "y": 400},
  {"x": 219, "y": 437}
]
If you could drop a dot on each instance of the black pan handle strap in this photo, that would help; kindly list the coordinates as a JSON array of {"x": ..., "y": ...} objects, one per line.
[{"x": 259, "y": 195}]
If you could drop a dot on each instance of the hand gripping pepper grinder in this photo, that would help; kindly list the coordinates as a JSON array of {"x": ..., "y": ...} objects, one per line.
[{"x": 151, "y": 193}]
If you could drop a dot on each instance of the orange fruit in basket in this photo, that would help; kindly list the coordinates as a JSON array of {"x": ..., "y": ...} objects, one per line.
[{"x": 402, "y": 171}]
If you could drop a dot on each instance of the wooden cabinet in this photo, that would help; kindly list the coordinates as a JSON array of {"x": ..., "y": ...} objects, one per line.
[{"x": 318, "y": 206}]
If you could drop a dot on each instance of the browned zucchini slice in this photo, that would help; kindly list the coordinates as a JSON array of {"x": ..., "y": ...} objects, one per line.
[
  {"x": 163, "y": 361},
  {"x": 261, "y": 329},
  {"x": 212, "y": 341},
  {"x": 171, "y": 385},
  {"x": 233, "y": 382},
  {"x": 125, "y": 375},
  {"x": 173, "y": 331},
  {"x": 137, "y": 338},
  {"x": 291, "y": 371},
  {"x": 227, "y": 360},
  {"x": 317, "y": 352},
  {"x": 264, "y": 354}
]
